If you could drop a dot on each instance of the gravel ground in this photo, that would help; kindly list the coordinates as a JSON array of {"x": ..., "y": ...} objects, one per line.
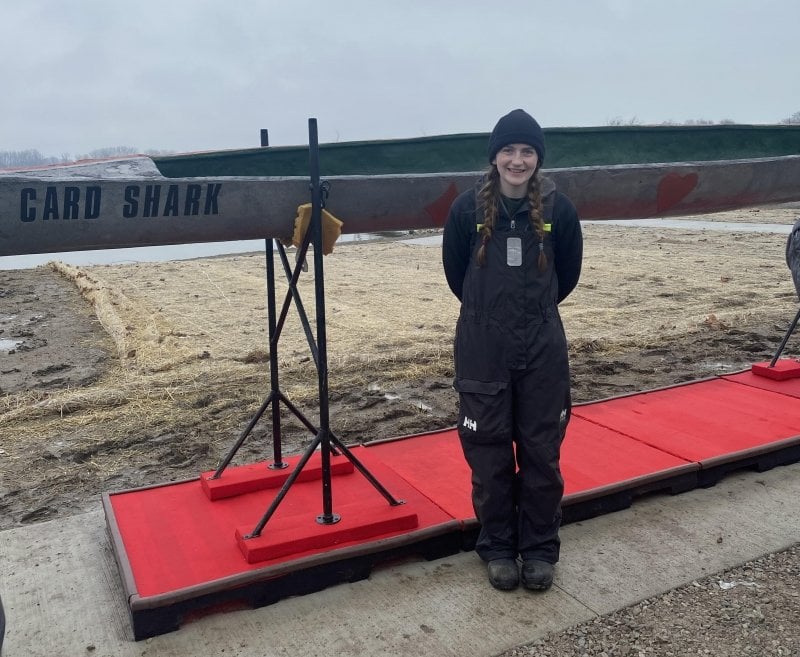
[{"x": 753, "y": 609}]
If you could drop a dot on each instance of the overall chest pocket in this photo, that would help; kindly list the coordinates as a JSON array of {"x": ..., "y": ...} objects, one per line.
[{"x": 480, "y": 348}]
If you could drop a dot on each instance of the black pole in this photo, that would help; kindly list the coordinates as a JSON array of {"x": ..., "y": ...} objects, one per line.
[
  {"x": 275, "y": 396},
  {"x": 327, "y": 517},
  {"x": 785, "y": 339},
  {"x": 278, "y": 462},
  {"x": 264, "y": 137}
]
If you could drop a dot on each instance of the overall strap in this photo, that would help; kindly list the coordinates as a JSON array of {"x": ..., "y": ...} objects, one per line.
[
  {"x": 479, "y": 213},
  {"x": 475, "y": 229},
  {"x": 548, "y": 188}
]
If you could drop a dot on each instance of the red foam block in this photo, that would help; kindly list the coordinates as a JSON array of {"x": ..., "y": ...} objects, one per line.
[
  {"x": 257, "y": 476},
  {"x": 594, "y": 458},
  {"x": 785, "y": 368},
  {"x": 302, "y": 532},
  {"x": 790, "y": 387},
  {"x": 702, "y": 420}
]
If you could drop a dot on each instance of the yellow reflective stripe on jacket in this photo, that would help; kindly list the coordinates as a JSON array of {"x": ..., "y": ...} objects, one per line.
[{"x": 548, "y": 228}]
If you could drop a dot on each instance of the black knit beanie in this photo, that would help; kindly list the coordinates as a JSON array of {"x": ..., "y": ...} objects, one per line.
[{"x": 517, "y": 127}]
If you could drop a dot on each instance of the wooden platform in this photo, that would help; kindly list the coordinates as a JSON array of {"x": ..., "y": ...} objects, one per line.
[{"x": 180, "y": 551}]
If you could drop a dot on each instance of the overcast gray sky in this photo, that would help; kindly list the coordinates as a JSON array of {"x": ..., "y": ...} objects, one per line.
[{"x": 186, "y": 75}]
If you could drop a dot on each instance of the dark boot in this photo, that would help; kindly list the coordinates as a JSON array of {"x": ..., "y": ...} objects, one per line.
[
  {"x": 537, "y": 575},
  {"x": 503, "y": 574}
]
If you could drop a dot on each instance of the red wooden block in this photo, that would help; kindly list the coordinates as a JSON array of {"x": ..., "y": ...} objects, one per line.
[
  {"x": 257, "y": 476},
  {"x": 302, "y": 532},
  {"x": 785, "y": 368}
]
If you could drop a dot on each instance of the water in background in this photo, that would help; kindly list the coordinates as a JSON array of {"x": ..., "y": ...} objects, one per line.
[
  {"x": 190, "y": 251},
  {"x": 696, "y": 224},
  {"x": 156, "y": 253},
  {"x": 135, "y": 254}
]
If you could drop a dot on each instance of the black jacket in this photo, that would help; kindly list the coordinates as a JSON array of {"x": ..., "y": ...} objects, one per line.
[{"x": 460, "y": 231}]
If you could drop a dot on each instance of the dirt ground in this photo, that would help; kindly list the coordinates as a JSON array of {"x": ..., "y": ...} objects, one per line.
[
  {"x": 123, "y": 375},
  {"x": 118, "y": 376}
]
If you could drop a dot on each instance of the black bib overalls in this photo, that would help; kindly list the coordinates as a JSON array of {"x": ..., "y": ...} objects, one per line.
[{"x": 512, "y": 376}]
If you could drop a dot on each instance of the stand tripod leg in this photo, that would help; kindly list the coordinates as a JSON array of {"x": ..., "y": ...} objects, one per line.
[
  {"x": 232, "y": 452},
  {"x": 366, "y": 473},
  {"x": 785, "y": 339},
  {"x": 306, "y": 422},
  {"x": 284, "y": 489}
]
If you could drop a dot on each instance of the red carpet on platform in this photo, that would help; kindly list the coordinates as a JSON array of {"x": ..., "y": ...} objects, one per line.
[{"x": 187, "y": 546}]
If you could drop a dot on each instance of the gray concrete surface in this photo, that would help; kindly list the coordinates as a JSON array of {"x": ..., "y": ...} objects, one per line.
[{"x": 63, "y": 597}]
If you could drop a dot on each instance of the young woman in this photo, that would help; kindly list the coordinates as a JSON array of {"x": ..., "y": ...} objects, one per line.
[{"x": 512, "y": 252}]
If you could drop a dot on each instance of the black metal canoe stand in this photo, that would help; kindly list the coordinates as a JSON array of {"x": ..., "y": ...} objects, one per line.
[{"x": 325, "y": 440}]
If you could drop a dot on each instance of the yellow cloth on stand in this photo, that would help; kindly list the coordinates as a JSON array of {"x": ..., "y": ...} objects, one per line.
[{"x": 331, "y": 228}]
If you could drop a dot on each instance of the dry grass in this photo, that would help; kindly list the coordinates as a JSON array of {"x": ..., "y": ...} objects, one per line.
[
  {"x": 654, "y": 307},
  {"x": 191, "y": 336}
]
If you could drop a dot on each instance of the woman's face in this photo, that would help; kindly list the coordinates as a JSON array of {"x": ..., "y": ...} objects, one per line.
[{"x": 516, "y": 164}]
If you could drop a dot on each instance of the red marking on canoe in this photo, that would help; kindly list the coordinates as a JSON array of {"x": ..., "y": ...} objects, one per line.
[
  {"x": 673, "y": 188},
  {"x": 441, "y": 206}
]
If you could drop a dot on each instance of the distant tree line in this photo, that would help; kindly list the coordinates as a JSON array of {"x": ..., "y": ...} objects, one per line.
[
  {"x": 28, "y": 158},
  {"x": 794, "y": 119},
  {"x": 32, "y": 157},
  {"x": 618, "y": 120}
]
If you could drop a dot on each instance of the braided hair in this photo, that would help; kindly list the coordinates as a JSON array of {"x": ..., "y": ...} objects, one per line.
[{"x": 489, "y": 200}]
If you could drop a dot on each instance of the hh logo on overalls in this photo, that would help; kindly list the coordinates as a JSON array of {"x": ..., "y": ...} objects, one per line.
[{"x": 472, "y": 425}]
